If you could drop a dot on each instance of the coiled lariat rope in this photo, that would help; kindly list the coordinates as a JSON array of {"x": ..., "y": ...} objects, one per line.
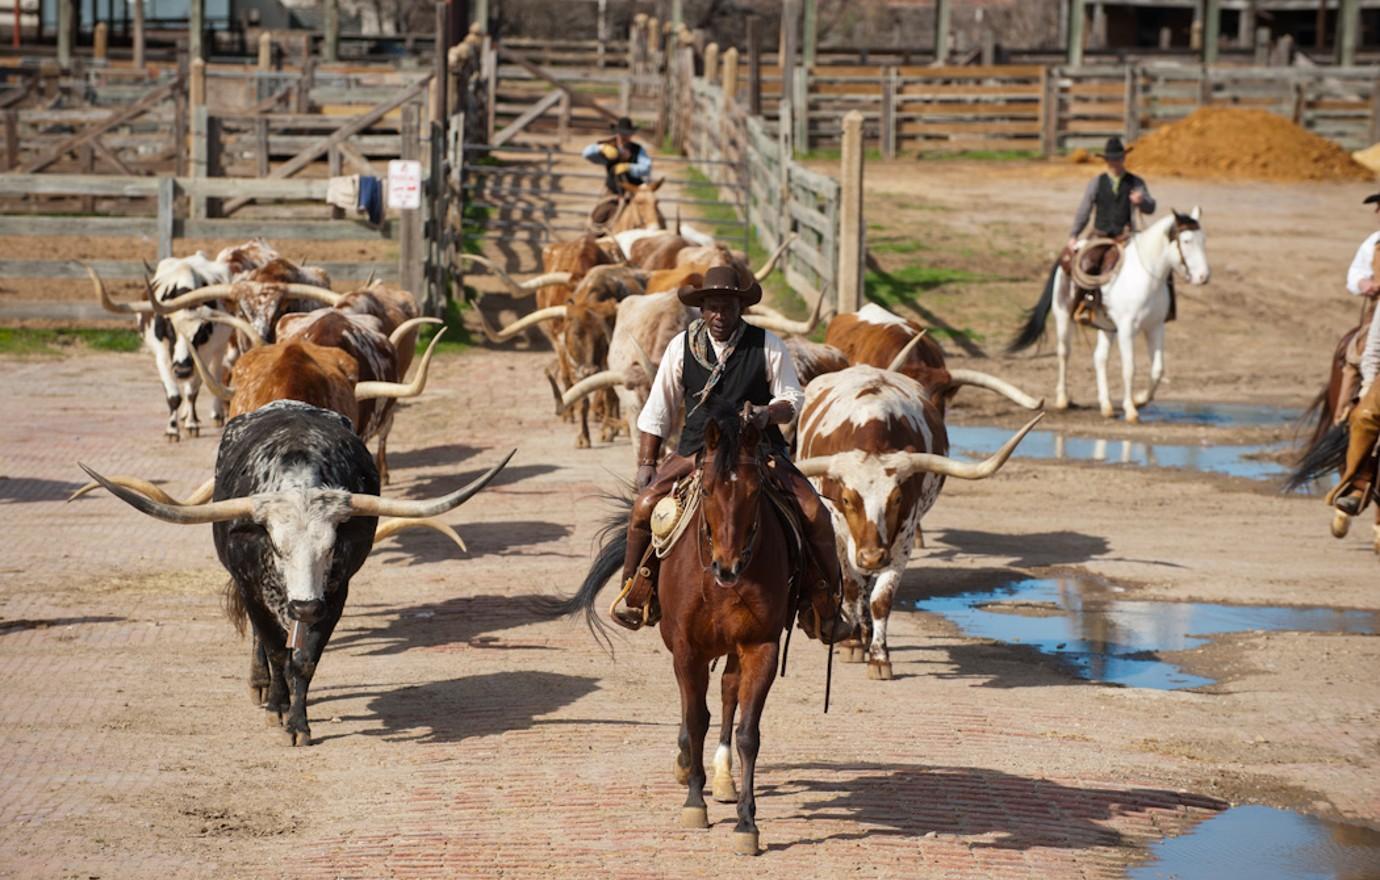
[{"x": 1081, "y": 276}]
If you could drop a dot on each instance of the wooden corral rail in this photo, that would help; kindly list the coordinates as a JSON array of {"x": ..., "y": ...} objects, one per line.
[{"x": 167, "y": 227}]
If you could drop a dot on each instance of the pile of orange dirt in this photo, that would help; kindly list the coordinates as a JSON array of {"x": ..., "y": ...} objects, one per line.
[{"x": 1234, "y": 143}]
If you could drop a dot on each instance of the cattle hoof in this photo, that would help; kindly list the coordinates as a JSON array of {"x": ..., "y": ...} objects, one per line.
[
  {"x": 582, "y": 442},
  {"x": 694, "y": 817},
  {"x": 220, "y": 421},
  {"x": 1132, "y": 417},
  {"x": 258, "y": 694},
  {"x": 879, "y": 670},
  {"x": 725, "y": 792},
  {"x": 682, "y": 770},
  {"x": 1341, "y": 524},
  {"x": 852, "y": 652},
  {"x": 1108, "y": 412},
  {"x": 1061, "y": 403},
  {"x": 746, "y": 843},
  {"x": 297, "y": 738},
  {"x": 273, "y": 718},
  {"x": 173, "y": 437},
  {"x": 193, "y": 430}
]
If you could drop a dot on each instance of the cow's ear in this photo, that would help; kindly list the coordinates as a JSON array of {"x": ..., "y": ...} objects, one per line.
[
  {"x": 656, "y": 184},
  {"x": 711, "y": 436}
]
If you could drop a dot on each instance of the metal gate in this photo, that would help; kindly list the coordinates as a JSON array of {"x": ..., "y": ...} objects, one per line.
[{"x": 517, "y": 198}]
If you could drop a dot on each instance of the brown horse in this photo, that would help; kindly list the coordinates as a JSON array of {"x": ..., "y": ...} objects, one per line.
[{"x": 725, "y": 590}]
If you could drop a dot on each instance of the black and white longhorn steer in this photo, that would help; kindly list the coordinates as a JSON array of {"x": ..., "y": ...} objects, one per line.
[{"x": 295, "y": 509}]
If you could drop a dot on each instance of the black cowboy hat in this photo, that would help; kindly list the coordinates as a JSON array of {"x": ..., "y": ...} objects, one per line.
[
  {"x": 722, "y": 281},
  {"x": 1371, "y": 199},
  {"x": 1114, "y": 151},
  {"x": 624, "y": 125}
]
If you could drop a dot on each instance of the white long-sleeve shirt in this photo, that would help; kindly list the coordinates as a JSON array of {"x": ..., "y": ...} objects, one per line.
[
  {"x": 668, "y": 391},
  {"x": 1362, "y": 265}
]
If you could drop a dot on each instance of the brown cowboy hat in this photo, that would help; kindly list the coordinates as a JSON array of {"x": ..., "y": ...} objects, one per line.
[{"x": 722, "y": 281}]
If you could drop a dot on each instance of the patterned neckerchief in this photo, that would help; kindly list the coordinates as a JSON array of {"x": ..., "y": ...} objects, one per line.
[{"x": 697, "y": 337}]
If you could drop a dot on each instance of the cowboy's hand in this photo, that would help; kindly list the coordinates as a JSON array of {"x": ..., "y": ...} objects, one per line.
[
  {"x": 1137, "y": 197},
  {"x": 622, "y": 167},
  {"x": 609, "y": 152},
  {"x": 1369, "y": 287},
  {"x": 757, "y": 416},
  {"x": 1072, "y": 245},
  {"x": 645, "y": 474}
]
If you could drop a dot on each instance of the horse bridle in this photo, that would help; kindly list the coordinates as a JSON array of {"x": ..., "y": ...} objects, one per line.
[
  {"x": 1175, "y": 230},
  {"x": 707, "y": 540}
]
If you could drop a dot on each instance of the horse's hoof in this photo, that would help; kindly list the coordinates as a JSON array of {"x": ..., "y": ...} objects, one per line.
[
  {"x": 725, "y": 792},
  {"x": 879, "y": 670},
  {"x": 193, "y": 430},
  {"x": 746, "y": 843},
  {"x": 682, "y": 772},
  {"x": 694, "y": 817},
  {"x": 273, "y": 718},
  {"x": 296, "y": 738},
  {"x": 855, "y": 653},
  {"x": 1108, "y": 412},
  {"x": 1132, "y": 417},
  {"x": 1341, "y": 524},
  {"x": 258, "y": 694},
  {"x": 1061, "y": 403},
  {"x": 1142, "y": 400},
  {"x": 582, "y": 442}
]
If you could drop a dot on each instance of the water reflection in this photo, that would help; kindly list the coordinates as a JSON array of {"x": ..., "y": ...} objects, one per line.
[
  {"x": 1251, "y": 461},
  {"x": 1108, "y": 639},
  {"x": 1221, "y": 415},
  {"x": 1254, "y": 841}
]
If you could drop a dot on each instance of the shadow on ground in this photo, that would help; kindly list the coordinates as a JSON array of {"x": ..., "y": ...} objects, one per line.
[
  {"x": 503, "y": 538},
  {"x": 462, "y": 621},
  {"x": 1025, "y": 550},
  {"x": 435, "y": 485},
  {"x": 16, "y": 490},
  {"x": 19, "y": 624},
  {"x": 478, "y": 705},
  {"x": 1011, "y": 812}
]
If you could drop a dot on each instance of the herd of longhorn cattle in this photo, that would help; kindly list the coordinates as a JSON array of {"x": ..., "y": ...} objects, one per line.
[{"x": 308, "y": 375}]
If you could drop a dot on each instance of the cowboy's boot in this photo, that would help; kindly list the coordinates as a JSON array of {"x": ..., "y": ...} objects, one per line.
[
  {"x": 636, "y": 605},
  {"x": 821, "y": 594},
  {"x": 1350, "y": 495}
]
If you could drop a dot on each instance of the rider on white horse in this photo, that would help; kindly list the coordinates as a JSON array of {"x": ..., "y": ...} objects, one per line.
[{"x": 1111, "y": 200}]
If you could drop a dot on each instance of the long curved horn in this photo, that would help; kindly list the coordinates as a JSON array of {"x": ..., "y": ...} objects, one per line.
[
  {"x": 909, "y": 463},
  {"x": 992, "y": 383},
  {"x": 525, "y": 288},
  {"x": 200, "y": 296},
  {"x": 788, "y": 327},
  {"x": 215, "y": 511},
  {"x": 396, "y": 336},
  {"x": 212, "y": 383},
  {"x": 312, "y": 292},
  {"x": 109, "y": 304},
  {"x": 767, "y": 267},
  {"x": 201, "y": 495},
  {"x": 904, "y": 354},
  {"x": 550, "y": 313},
  {"x": 373, "y": 505},
  {"x": 375, "y": 390},
  {"x": 216, "y": 316},
  {"x": 817, "y": 466},
  {"x": 390, "y": 527},
  {"x": 591, "y": 384}
]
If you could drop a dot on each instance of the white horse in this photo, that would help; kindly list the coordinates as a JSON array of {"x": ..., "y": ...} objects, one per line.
[{"x": 1136, "y": 301}]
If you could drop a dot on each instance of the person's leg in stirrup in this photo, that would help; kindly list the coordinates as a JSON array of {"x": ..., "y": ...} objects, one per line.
[
  {"x": 1350, "y": 494},
  {"x": 821, "y": 595},
  {"x": 636, "y": 606}
]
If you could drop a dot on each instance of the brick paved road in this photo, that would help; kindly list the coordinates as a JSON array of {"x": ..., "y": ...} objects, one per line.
[{"x": 459, "y": 735}]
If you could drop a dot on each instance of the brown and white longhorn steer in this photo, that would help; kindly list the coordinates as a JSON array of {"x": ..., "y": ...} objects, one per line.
[{"x": 873, "y": 443}]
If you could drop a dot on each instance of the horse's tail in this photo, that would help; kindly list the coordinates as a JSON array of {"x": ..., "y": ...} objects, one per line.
[
  {"x": 607, "y": 563},
  {"x": 1035, "y": 318},
  {"x": 1324, "y": 456},
  {"x": 1317, "y": 418}
]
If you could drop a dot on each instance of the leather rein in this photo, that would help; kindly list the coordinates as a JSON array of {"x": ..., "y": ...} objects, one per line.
[{"x": 706, "y": 540}]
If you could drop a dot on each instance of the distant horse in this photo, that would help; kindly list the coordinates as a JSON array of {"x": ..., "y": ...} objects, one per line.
[
  {"x": 724, "y": 588},
  {"x": 1136, "y": 300}
]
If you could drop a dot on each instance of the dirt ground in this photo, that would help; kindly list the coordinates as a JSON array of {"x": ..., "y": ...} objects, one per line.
[{"x": 459, "y": 734}]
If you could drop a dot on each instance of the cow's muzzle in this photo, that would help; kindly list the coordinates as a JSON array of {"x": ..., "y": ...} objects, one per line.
[
  {"x": 871, "y": 559},
  {"x": 183, "y": 369},
  {"x": 307, "y": 612}
]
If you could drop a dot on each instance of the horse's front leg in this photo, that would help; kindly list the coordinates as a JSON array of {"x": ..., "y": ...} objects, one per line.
[
  {"x": 758, "y": 673},
  {"x": 1126, "y": 343},
  {"x": 692, "y": 675},
  {"x": 724, "y": 791},
  {"x": 1154, "y": 340},
  {"x": 1101, "y": 353},
  {"x": 1062, "y": 335}
]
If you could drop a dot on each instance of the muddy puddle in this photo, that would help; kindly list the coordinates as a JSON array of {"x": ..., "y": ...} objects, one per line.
[
  {"x": 1251, "y": 461},
  {"x": 1255, "y": 841},
  {"x": 1104, "y": 638}
]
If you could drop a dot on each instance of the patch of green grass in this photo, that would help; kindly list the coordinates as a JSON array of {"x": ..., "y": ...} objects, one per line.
[
  {"x": 902, "y": 246},
  {"x": 26, "y": 341},
  {"x": 457, "y": 338},
  {"x": 983, "y": 155},
  {"x": 820, "y": 154}
]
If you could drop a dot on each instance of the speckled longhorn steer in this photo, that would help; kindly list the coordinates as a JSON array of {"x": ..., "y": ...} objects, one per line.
[{"x": 873, "y": 443}]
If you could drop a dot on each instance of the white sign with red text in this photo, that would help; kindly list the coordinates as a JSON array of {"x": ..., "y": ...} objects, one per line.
[{"x": 404, "y": 184}]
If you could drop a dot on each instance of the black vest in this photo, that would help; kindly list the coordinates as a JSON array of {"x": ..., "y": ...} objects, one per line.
[
  {"x": 744, "y": 379},
  {"x": 611, "y": 180},
  {"x": 1114, "y": 209}
]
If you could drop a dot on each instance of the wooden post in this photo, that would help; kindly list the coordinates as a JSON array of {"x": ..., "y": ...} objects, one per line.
[
  {"x": 100, "y": 42},
  {"x": 563, "y": 119},
  {"x": 481, "y": 14},
  {"x": 1204, "y": 86},
  {"x": 754, "y": 38},
  {"x": 332, "y": 170},
  {"x": 1245, "y": 26},
  {"x": 850, "y": 280},
  {"x": 1195, "y": 31},
  {"x": 411, "y": 253},
  {"x": 179, "y": 134},
  {"x": 790, "y": 27},
  {"x": 200, "y": 124},
  {"x": 1262, "y": 46},
  {"x": 12, "y": 138},
  {"x": 265, "y": 51},
  {"x": 810, "y": 44},
  {"x": 196, "y": 28},
  {"x": 1320, "y": 26},
  {"x": 731, "y": 76},
  {"x": 87, "y": 159},
  {"x": 196, "y": 89},
  {"x": 138, "y": 10},
  {"x": 490, "y": 73},
  {"x": 64, "y": 33},
  {"x": 1075, "y": 40},
  {"x": 711, "y": 63},
  {"x": 988, "y": 52},
  {"x": 1300, "y": 102},
  {"x": 1049, "y": 111},
  {"x": 1132, "y": 102},
  {"x": 1348, "y": 26},
  {"x": 166, "y": 191},
  {"x": 800, "y": 102},
  {"x": 677, "y": 14},
  {"x": 1212, "y": 29},
  {"x": 330, "y": 25},
  {"x": 1097, "y": 36},
  {"x": 261, "y": 153},
  {"x": 1166, "y": 38},
  {"x": 604, "y": 34},
  {"x": 888, "y": 115},
  {"x": 943, "y": 10},
  {"x": 440, "y": 78}
]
